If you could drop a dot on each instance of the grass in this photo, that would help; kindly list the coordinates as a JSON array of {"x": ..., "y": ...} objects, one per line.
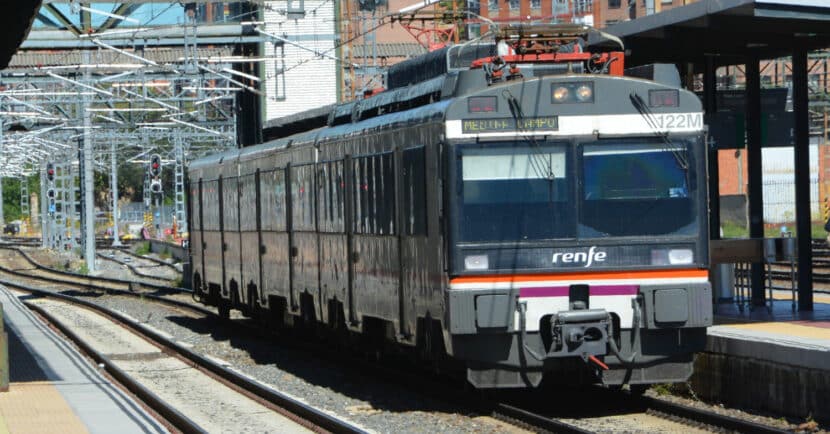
[
  {"x": 142, "y": 249},
  {"x": 83, "y": 268}
]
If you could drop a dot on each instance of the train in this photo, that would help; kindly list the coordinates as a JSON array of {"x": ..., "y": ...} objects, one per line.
[{"x": 520, "y": 207}]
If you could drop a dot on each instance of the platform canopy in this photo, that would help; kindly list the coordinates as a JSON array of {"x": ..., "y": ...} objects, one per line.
[
  {"x": 710, "y": 33},
  {"x": 15, "y": 22},
  {"x": 727, "y": 30}
]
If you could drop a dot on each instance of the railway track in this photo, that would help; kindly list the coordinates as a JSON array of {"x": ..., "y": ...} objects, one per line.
[
  {"x": 258, "y": 392},
  {"x": 23, "y": 264},
  {"x": 133, "y": 262},
  {"x": 602, "y": 410}
]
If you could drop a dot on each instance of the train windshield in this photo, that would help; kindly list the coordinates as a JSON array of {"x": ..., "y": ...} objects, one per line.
[
  {"x": 637, "y": 189},
  {"x": 514, "y": 191},
  {"x": 532, "y": 191}
]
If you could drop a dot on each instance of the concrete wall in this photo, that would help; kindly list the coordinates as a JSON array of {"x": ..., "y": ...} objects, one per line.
[{"x": 742, "y": 382}]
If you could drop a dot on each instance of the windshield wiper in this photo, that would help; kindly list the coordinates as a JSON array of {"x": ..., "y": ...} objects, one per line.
[
  {"x": 641, "y": 106},
  {"x": 541, "y": 165}
]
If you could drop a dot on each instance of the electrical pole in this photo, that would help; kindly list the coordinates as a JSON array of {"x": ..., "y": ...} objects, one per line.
[
  {"x": 89, "y": 184},
  {"x": 116, "y": 242}
]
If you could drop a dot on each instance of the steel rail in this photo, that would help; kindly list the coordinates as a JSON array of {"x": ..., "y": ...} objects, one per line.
[
  {"x": 134, "y": 268},
  {"x": 90, "y": 286},
  {"x": 168, "y": 412},
  {"x": 709, "y": 417},
  {"x": 274, "y": 397},
  {"x": 104, "y": 280}
]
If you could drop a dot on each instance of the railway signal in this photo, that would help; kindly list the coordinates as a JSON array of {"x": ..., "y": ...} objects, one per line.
[
  {"x": 50, "y": 172},
  {"x": 50, "y": 193},
  {"x": 155, "y": 186},
  {"x": 155, "y": 165}
]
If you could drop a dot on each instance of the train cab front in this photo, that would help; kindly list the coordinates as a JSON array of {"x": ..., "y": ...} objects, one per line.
[{"x": 578, "y": 235}]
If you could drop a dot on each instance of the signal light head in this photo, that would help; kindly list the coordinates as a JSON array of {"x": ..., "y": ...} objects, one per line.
[{"x": 155, "y": 165}]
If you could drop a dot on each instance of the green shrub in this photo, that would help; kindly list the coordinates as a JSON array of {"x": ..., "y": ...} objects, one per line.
[{"x": 142, "y": 248}]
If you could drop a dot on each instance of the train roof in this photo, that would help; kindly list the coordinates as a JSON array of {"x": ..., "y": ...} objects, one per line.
[
  {"x": 213, "y": 159},
  {"x": 444, "y": 73}
]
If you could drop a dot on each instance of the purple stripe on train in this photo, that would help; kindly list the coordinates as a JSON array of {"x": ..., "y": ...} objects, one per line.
[{"x": 562, "y": 291}]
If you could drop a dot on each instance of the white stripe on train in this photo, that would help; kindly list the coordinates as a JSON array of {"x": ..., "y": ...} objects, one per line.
[{"x": 609, "y": 125}]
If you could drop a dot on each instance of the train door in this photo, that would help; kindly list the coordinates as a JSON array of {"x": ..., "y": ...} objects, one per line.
[
  {"x": 304, "y": 266},
  {"x": 414, "y": 252},
  {"x": 197, "y": 257},
  {"x": 375, "y": 244},
  {"x": 333, "y": 251},
  {"x": 274, "y": 252},
  {"x": 249, "y": 240},
  {"x": 231, "y": 242}
]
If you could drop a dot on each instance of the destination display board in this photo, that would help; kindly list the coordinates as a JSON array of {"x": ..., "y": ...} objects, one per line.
[{"x": 543, "y": 123}]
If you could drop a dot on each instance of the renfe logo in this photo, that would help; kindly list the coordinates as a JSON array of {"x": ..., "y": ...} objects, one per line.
[{"x": 588, "y": 257}]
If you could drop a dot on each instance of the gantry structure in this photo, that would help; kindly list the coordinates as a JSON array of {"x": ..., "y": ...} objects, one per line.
[{"x": 99, "y": 84}]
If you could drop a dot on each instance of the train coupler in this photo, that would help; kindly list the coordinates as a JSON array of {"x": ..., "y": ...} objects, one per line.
[
  {"x": 575, "y": 333},
  {"x": 582, "y": 333}
]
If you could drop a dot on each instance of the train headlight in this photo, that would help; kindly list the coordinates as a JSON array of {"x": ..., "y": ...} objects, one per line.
[
  {"x": 560, "y": 94},
  {"x": 476, "y": 262},
  {"x": 585, "y": 92},
  {"x": 672, "y": 257},
  {"x": 574, "y": 92},
  {"x": 681, "y": 256}
]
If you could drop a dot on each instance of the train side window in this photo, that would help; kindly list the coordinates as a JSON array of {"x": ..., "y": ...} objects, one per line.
[
  {"x": 414, "y": 192},
  {"x": 371, "y": 195},
  {"x": 374, "y": 194},
  {"x": 302, "y": 198},
  {"x": 359, "y": 194},
  {"x": 210, "y": 210},
  {"x": 272, "y": 200},
  {"x": 330, "y": 199},
  {"x": 279, "y": 208},
  {"x": 195, "y": 191},
  {"x": 247, "y": 206},
  {"x": 386, "y": 194},
  {"x": 230, "y": 203}
]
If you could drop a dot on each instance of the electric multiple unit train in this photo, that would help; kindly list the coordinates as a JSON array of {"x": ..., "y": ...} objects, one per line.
[{"x": 530, "y": 212}]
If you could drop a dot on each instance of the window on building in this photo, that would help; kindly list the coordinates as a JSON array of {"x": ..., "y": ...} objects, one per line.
[
  {"x": 492, "y": 5},
  {"x": 536, "y": 4},
  {"x": 583, "y": 6},
  {"x": 614, "y": 4},
  {"x": 295, "y": 9},
  {"x": 279, "y": 71},
  {"x": 514, "y": 4},
  {"x": 666, "y": 2}
]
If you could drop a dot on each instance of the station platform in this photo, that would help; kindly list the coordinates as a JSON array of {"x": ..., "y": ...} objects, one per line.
[
  {"x": 774, "y": 360},
  {"x": 54, "y": 389}
]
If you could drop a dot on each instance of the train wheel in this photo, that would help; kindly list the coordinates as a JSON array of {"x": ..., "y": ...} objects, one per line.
[
  {"x": 224, "y": 309},
  {"x": 639, "y": 389}
]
